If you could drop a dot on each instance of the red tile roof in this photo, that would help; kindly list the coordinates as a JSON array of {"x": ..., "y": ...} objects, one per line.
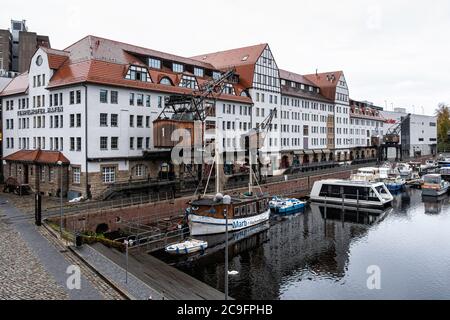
[
  {"x": 18, "y": 85},
  {"x": 327, "y": 82},
  {"x": 102, "y": 61},
  {"x": 107, "y": 73},
  {"x": 37, "y": 156},
  {"x": 295, "y": 77},
  {"x": 243, "y": 59},
  {"x": 56, "y": 58}
]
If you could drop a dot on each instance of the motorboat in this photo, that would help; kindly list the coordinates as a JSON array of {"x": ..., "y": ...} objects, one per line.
[
  {"x": 394, "y": 184},
  {"x": 187, "y": 247},
  {"x": 369, "y": 174},
  {"x": 352, "y": 193},
  {"x": 434, "y": 185},
  {"x": 429, "y": 165},
  {"x": 445, "y": 173},
  {"x": 444, "y": 161},
  {"x": 405, "y": 170},
  {"x": 285, "y": 206}
]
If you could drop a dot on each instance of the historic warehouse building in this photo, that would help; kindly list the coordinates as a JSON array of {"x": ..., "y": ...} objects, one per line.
[{"x": 89, "y": 109}]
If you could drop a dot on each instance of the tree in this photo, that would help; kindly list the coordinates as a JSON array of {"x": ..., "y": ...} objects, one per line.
[{"x": 443, "y": 126}]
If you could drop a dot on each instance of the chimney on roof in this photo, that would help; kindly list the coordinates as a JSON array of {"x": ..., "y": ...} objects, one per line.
[{"x": 317, "y": 72}]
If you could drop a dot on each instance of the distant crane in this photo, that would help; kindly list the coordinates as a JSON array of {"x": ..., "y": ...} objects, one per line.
[
  {"x": 392, "y": 139},
  {"x": 189, "y": 111}
]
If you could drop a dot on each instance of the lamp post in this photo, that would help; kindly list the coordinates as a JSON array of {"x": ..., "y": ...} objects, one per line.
[
  {"x": 61, "y": 198},
  {"x": 226, "y": 202},
  {"x": 127, "y": 243}
]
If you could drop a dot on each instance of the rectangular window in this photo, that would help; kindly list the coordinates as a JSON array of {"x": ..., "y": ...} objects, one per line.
[
  {"x": 140, "y": 141},
  {"x": 114, "y": 97},
  {"x": 72, "y": 120},
  {"x": 114, "y": 143},
  {"x": 147, "y": 101},
  {"x": 109, "y": 174},
  {"x": 154, "y": 63},
  {"x": 76, "y": 175},
  {"x": 78, "y": 144},
  {"x": 103, "y": 143},
  {"x": 140, "y": 100},
  {"x": 131, "y": 99},
  {"x": 131, "y": 143},
  {"x": 78, "y": 96},
  {"x": 160, "y": 102},
  {"x": 103, "y": 119},
  {"x": 132, "y": 121},
  {"x": 72, "y": 143},
  {"x": 78, "y": 120},
  {"x": 139, "y": 121},
  {"x": 72, "y": 97},
  {"x": 176, "y": 67},
  {"x": 147, "y": 122},
  {"x": 103, "y": 96},
  {"x": 199, "y": 72},
  {"x": 114, "y": 120}
]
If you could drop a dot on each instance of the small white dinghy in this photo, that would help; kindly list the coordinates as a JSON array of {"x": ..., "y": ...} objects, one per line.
[{"x": 187, "y": 247}]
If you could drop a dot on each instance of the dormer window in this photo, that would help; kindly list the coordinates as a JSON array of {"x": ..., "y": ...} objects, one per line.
[
  {"x": 189, "y": 82},
  {"x": 293, "y": 85},
  {"x": 138, "y": 74},
  {"x": 302, "y": 87},
  {"x": 178, "y": 68},
  {"x": 216, "y": 75},
  {"x": 229, "y": 89},
  {"x": 311, "y": 89},
  {"x": 283, "y": 82},
  {"x": 154, "y": 63},
  {"x": 317, "y": 90},
  {"x": 166, "y": 81},
  {"x": 199, "y": 72}
]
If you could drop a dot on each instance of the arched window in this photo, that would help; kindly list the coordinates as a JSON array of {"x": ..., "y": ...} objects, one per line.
[{"x": 166, "y": 81}]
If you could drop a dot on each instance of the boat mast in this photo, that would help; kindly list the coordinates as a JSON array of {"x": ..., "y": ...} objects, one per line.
[
  {"x": 250, "y": 184},
  {"x": 217, "y": 167}
]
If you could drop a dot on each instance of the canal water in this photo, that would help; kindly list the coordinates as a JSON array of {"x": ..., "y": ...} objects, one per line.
[{"x": 324, "y": 253}]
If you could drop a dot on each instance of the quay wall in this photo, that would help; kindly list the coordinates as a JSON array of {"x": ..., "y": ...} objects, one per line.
[{"x": 112, "y": 219}]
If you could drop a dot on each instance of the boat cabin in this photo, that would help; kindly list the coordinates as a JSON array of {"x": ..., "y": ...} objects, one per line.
[
  {"x": 240, "y": 207},
  {"x": 352, "y": 193}
]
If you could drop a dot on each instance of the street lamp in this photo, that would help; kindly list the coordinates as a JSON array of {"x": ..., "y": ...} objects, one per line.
[
  {"x": 127, "y": 243},
  {"x": 60, "y": 163},
  {"x": 226, "y": 202}
]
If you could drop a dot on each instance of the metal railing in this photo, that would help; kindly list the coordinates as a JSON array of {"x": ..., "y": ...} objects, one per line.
[{"x": 89, "y": 206}]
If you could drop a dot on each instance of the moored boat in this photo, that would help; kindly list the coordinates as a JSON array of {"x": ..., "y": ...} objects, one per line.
[
  {"x": 434, "y": 185},
  {"x": 187, "y": 247},
  {"x": 351, "y": 193},
  {"x": 286, "y": 206},
  {"x": 207, "y": 215}
]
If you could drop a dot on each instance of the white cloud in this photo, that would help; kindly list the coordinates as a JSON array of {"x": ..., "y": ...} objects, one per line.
[{"x": 379, "y": 44}]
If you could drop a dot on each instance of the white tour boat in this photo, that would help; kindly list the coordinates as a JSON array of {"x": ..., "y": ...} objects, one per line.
[{"x": 351, "y": 193}]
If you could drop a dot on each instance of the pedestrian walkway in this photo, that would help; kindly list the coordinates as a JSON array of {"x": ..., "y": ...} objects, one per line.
[
  {"x": 128, "y": 283},
  {"x": 26, "y": 252}
]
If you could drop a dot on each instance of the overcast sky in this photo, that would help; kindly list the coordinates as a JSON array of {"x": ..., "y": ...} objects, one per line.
[{"x": 393, "y": 52}]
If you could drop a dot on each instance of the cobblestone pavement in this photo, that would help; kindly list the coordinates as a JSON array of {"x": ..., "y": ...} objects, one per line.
[
  {"x": 33, "y": 263},
  {"x": 21, "y": 275}
]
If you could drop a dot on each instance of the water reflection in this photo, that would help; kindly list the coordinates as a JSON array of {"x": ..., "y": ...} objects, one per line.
[
  {"x": 434, "y": 205},
  {"x": 324, "y": 254}
]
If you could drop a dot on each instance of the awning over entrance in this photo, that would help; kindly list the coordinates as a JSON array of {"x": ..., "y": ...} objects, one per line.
[{"x": 37, "y": 156}]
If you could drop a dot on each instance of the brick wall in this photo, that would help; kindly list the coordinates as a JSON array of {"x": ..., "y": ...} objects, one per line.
[{"x": 150, "y": 212}]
